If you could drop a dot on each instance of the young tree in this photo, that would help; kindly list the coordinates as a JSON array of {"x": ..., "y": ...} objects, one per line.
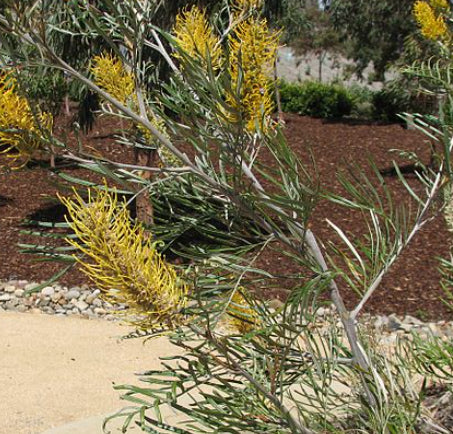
[
  {"x": 373, "y": 31},
  {"x": 318, "y": 36}
]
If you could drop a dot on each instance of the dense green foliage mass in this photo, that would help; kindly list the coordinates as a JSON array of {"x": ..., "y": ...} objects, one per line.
[
  {"x": 317, "y": 99},
  {"x": 374, "y": 31}
]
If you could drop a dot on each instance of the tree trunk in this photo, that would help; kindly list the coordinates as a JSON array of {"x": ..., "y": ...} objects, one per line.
[
  {"x": 143, "y": 204},
  {"x": 281, "y": 121}
]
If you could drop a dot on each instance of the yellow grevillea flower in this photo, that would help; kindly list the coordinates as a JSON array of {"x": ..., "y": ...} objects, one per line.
[
  {"x": 197, "y": 38},
  {"x": 247, "y": 4},
  {"x": 21, "y": 130},
  {"x": 122, "y": 261},
  {"x": 253, "y": 50},
  {"x": 440, "y": 4},
  {"x": 111, "y": 76},
  {"x": 243, "y": 316},
  {"x": 167, "y": 158},
  {"x": 432, "y": 25}
]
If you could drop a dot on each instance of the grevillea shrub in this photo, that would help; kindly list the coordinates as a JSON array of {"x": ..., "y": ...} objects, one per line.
[{"x": 268, "y": 370}]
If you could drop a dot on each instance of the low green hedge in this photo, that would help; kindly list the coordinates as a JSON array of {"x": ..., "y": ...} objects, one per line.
[{"x": 313, "y": 98}]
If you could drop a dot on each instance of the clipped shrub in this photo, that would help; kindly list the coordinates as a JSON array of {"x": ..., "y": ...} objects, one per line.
[
  {"x": 313, "y": 98},
  {"x": 389, "y": 102}
]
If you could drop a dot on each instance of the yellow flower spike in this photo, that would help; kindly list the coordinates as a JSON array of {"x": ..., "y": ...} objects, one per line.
[
  {"x": 167, "y": 158},
  {"x": 21, "y": 130},
  {"x": 246, "y": 5},
  {"x": 253, "y": 50},
  {"x": 439, "y": 4},
  {"x": 111, "y": 76},
  {"x": 122, "y": 261},
  {"x": 159, "y": 124},
  {"x": 431, "y": 25},
  {"x": 197, "y": 38},
  {"x": 243, "y": 316}
]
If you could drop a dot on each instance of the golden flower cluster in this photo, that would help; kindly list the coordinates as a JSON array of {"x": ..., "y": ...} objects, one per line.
[
  {"x": 122, "y": 261},
  {"x": 111, "y": 76},
  {"x": 440, "y": 4},
  {"x": 22, "y": 130},
  {"x": 246, "y": 5},
  {"x": 253, "y": 50},
  {"x": 195, "y": 36},
  {"x": 243, "y": 317},
  {"x": 429, "y": 16}
]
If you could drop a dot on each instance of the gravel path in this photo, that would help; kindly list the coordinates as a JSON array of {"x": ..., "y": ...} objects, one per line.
[
  {"x": 16, "y": 295},
  {"x": 54, "y": 370}
]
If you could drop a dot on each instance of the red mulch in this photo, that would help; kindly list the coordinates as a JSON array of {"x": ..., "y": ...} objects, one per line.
[{"x": 411, "y": 287}]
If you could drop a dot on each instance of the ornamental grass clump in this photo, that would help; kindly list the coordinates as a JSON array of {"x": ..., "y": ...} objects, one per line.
[
  {"x": 122, "y": 261},
  {"x": 23, "y": 131}
]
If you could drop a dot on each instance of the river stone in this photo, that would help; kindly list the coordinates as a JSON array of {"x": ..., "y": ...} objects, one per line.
[
  {"x": 5, "y": 297},
  {"x": 9, "y": 288},
  {"x": 71, "y": 294},
  {"x": 57, "y": 297},
  {"x": 48, "y": 291},
  {"x": 409, "y": 319},
  {"x": 97, "y": 303},
  {"x": 99, "y": 311},
  {"x": 30, "y": 286},
  {"x": 90, "y": 298},
  {"x": 381, "y": 322},
  {"x": 19, "y": 292},
  {"x": 11, "y": 305},
  {"x": 394, "y": 323},
  {"x": 81, "y": 305}
]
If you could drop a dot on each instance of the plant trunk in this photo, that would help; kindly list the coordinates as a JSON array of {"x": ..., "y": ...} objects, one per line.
[
  {"x": 281, "y": 121},
  {"x": 143, "y": 204}
]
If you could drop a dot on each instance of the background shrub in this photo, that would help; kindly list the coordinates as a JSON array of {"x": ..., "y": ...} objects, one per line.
[
  {"x": 313, "y": 98},
  {"x": 46, "y": 87},
  {"x": 390, "y": 101}
]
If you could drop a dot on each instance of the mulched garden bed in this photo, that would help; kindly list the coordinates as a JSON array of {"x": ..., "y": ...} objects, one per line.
[{"x": 412, "y": 286}]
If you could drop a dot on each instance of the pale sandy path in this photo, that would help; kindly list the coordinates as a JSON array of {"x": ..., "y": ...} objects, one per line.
[{"x": 55, "y": 370}]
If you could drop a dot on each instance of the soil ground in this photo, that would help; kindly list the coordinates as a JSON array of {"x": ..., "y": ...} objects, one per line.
[{"x": 411, "y": 287}]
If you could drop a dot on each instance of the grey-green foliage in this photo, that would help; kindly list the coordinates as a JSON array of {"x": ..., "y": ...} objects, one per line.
[{"x": 283, "y": 372}]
